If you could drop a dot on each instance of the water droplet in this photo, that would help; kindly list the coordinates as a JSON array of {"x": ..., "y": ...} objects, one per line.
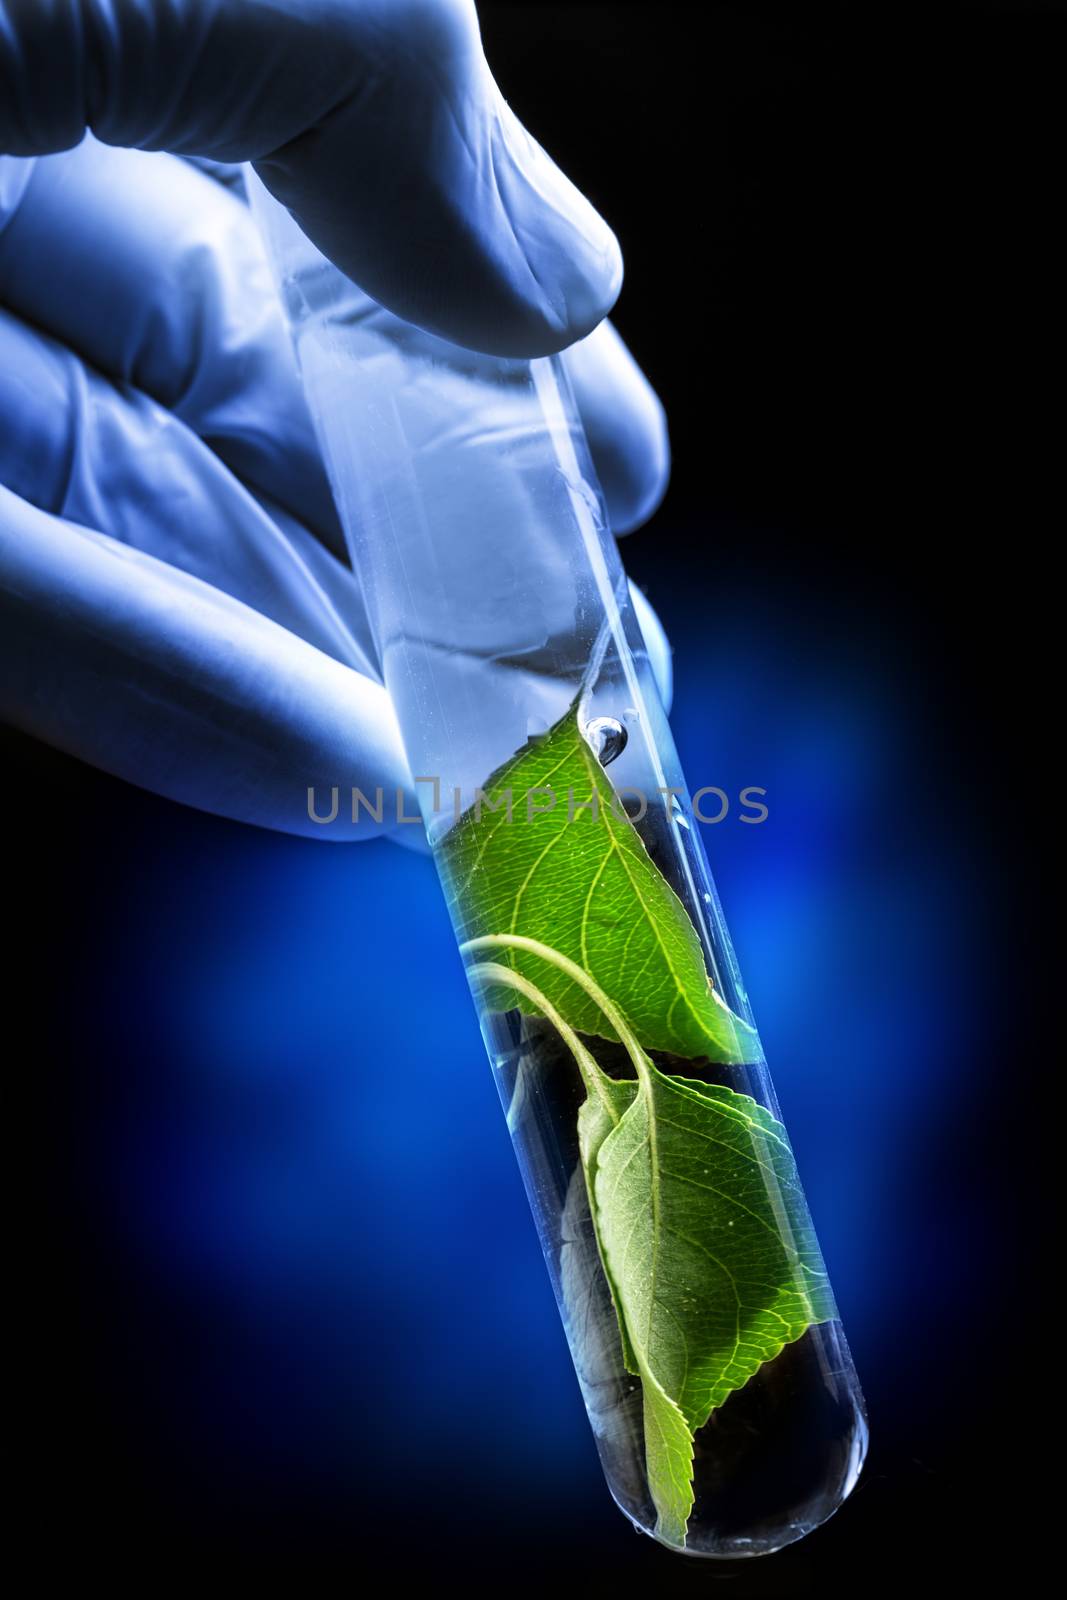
[
  {"x": 536, "y": 727},
  {"x": 607, "y": 736}
]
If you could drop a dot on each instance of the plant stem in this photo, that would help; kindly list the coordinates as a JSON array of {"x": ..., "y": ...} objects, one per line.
[
  {"x": 492, "y": 972},
  {"x": 517, "y": 941}
]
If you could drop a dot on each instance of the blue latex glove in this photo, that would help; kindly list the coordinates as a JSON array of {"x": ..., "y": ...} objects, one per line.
[{"x": 175, "y": 603}]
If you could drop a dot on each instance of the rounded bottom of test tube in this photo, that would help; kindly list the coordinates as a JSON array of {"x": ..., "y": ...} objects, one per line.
[{"x": 774, "y": 1463}]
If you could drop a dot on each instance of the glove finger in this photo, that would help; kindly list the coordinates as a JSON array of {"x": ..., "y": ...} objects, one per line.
[
  {"x": 119, "y": 659},
  {"x": 109, "y": 458},
  {"x": 378, "y": 123},
  {"x": 625, "y": 424},
  {"x": 155, "y": 274}
]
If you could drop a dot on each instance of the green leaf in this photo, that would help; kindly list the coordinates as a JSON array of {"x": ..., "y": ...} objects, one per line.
[
  {"x": 710, "y": 1251},
  {"x": 668, "y": 1460},
  {"x": 587, "y": 887},
  {"x": 598, "y": 1116}
]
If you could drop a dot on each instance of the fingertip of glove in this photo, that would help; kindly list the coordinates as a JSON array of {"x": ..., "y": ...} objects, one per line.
[
  {"x": 570, "y": 268},
  {"x": 575, "y": 292},
  {"x": 590, "y": 279}
]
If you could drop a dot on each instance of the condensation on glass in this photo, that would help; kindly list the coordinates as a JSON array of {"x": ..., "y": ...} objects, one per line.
[{"x": 497, "y": 601}]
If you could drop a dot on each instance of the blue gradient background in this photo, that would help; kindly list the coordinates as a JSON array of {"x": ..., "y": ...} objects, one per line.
[{"x": 278, "y": 1296}]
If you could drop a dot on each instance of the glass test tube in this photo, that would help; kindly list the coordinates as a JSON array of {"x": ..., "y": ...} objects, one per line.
[{"x": 714, "y": 1369}]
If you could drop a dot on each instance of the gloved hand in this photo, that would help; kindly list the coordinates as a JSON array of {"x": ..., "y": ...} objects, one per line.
[{"x": 176, "y": 604}]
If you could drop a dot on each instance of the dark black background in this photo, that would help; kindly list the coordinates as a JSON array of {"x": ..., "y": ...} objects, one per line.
[{"x": 839, "y": 229}]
